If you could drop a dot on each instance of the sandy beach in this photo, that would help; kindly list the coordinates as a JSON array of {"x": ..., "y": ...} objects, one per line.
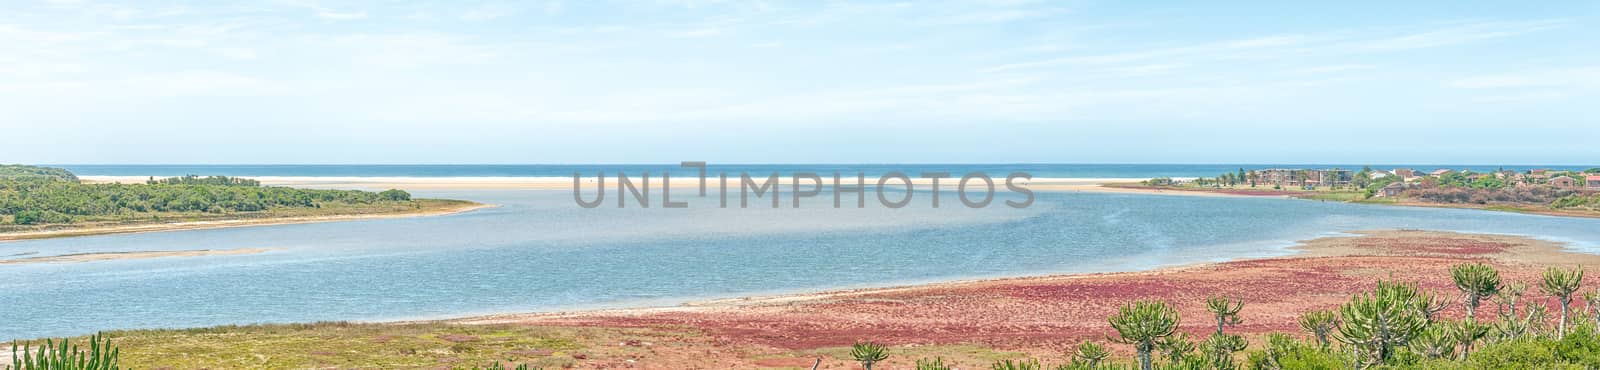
[
  {"x": 199, "y": 225},
  {"x": 107, "y": 256}
]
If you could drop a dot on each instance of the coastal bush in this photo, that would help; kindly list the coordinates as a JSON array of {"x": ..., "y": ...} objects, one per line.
[
  {"x": 21, "y": 172},
  {"x": 394, "y": 195},
  {"x": 100, "y": 355}
]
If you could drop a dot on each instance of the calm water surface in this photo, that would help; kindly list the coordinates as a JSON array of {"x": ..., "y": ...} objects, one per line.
[{"x": 538, "y": 252}]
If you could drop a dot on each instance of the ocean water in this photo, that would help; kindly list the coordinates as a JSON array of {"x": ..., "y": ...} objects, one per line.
[
  {"x": 539, "y": 252},
  {"x": 541, "y": 170}
]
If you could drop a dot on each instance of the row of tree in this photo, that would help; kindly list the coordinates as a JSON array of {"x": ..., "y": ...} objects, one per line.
[{"x": 41, "y": 201}]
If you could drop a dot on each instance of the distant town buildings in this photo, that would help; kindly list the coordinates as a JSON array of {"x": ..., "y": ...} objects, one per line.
[
  {"x": 1592, "y": 182},
  {"x": 1564, "y": 182}
]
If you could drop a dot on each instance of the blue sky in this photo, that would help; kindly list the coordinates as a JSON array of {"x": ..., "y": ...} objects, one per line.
[{"x": 799, "y": 82}]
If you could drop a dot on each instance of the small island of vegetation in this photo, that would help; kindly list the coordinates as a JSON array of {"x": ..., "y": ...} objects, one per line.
[{"x": 49, "y": 202}]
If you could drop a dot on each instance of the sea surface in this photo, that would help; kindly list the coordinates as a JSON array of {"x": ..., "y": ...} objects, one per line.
[
  {"x": 538, "y": 251},
  {"x": 547, "y": 170}
]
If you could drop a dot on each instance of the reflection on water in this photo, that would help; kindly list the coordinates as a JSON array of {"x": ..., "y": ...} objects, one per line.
[{"x": 540, "y": 252}]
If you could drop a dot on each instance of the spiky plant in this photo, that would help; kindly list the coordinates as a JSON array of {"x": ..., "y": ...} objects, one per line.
[
  {"x": 1091, "y": 353},
  {"x": 1319, "y": 324},
  {"x": 1437, "y": 341},
  {"x": 1562, "y": 284},
  {"x": 1219, "y": 350},
  {"x": 1430, "y": 304},
  {"x": 937, "y": 363},
  {"x": 1029, "y": 364},
  {"x": 1509, "y": 295},
  {"x": 1225, "y": 310},
  {"x": 1476, "y": 282},
  {"x": 1176, "y": 347},
  {"x": 1511, "y": 327},
  {"x": 1467, "y": 332},
  {"x": 1592, "y": 300},
  {"x": 1142, "y": 323},
  {"x": 64, "y": 356},
  {"x": 1376, "y": 322},
  {"x": 868, "y": 353}
]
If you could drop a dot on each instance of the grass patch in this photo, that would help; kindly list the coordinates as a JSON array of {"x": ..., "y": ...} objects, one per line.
[
  {"x": 349, "y": 345},
  {"x": 1334, "y": 196}
]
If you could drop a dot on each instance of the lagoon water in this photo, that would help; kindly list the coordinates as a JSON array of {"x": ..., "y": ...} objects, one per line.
[{"x": 539, "y": 252}]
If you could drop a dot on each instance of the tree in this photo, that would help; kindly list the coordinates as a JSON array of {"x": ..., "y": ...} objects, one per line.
[
  {"x": 396, "y": 195},
  {"x": 1476, "y": 281},
  {"x": 868, "y": 353},
  {"x": 1319, "y": 324},
  {"x": 1226, "y": 311},
  {"x": 1143, "y": 322},
  {"x": 1437, "y": 341},
  {"x": 1176, "y": 347},
  {"x": 1091, "y": 353},
  {"x": 1376, "y": 322},
  {"x": 1467, "y": 332},
  {"x": 1562, "y": 284},
  {"x": 1219, "y": 349}
]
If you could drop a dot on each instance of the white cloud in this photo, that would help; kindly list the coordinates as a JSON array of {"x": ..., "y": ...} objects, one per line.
[{"x": 1560, "y": 77}]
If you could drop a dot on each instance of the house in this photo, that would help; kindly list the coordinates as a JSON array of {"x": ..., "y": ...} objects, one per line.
[
  {"x": 1405, "y": 173},
  {"x": 1592, "y": 182},
  {"x": 1441, "y": 172},
  {"x": 1539, "y": 173},
  {"x": 1391, "y": 190},
  {"x": 1564, "y": 182}
]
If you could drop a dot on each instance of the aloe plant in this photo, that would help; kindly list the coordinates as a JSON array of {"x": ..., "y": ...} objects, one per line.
[
  {"x": 64, "y": 356},
  {"x": 868, "y": 353},
  {"x": 1562, "y": 284},
  {"x": 1476, "y": 282},
  {"x": 1225, "y": 310},
  {"x": 1142, "y": 323}
]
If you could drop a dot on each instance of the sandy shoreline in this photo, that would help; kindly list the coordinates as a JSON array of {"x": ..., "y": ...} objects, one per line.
[{"x": 108, "y": 256}]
